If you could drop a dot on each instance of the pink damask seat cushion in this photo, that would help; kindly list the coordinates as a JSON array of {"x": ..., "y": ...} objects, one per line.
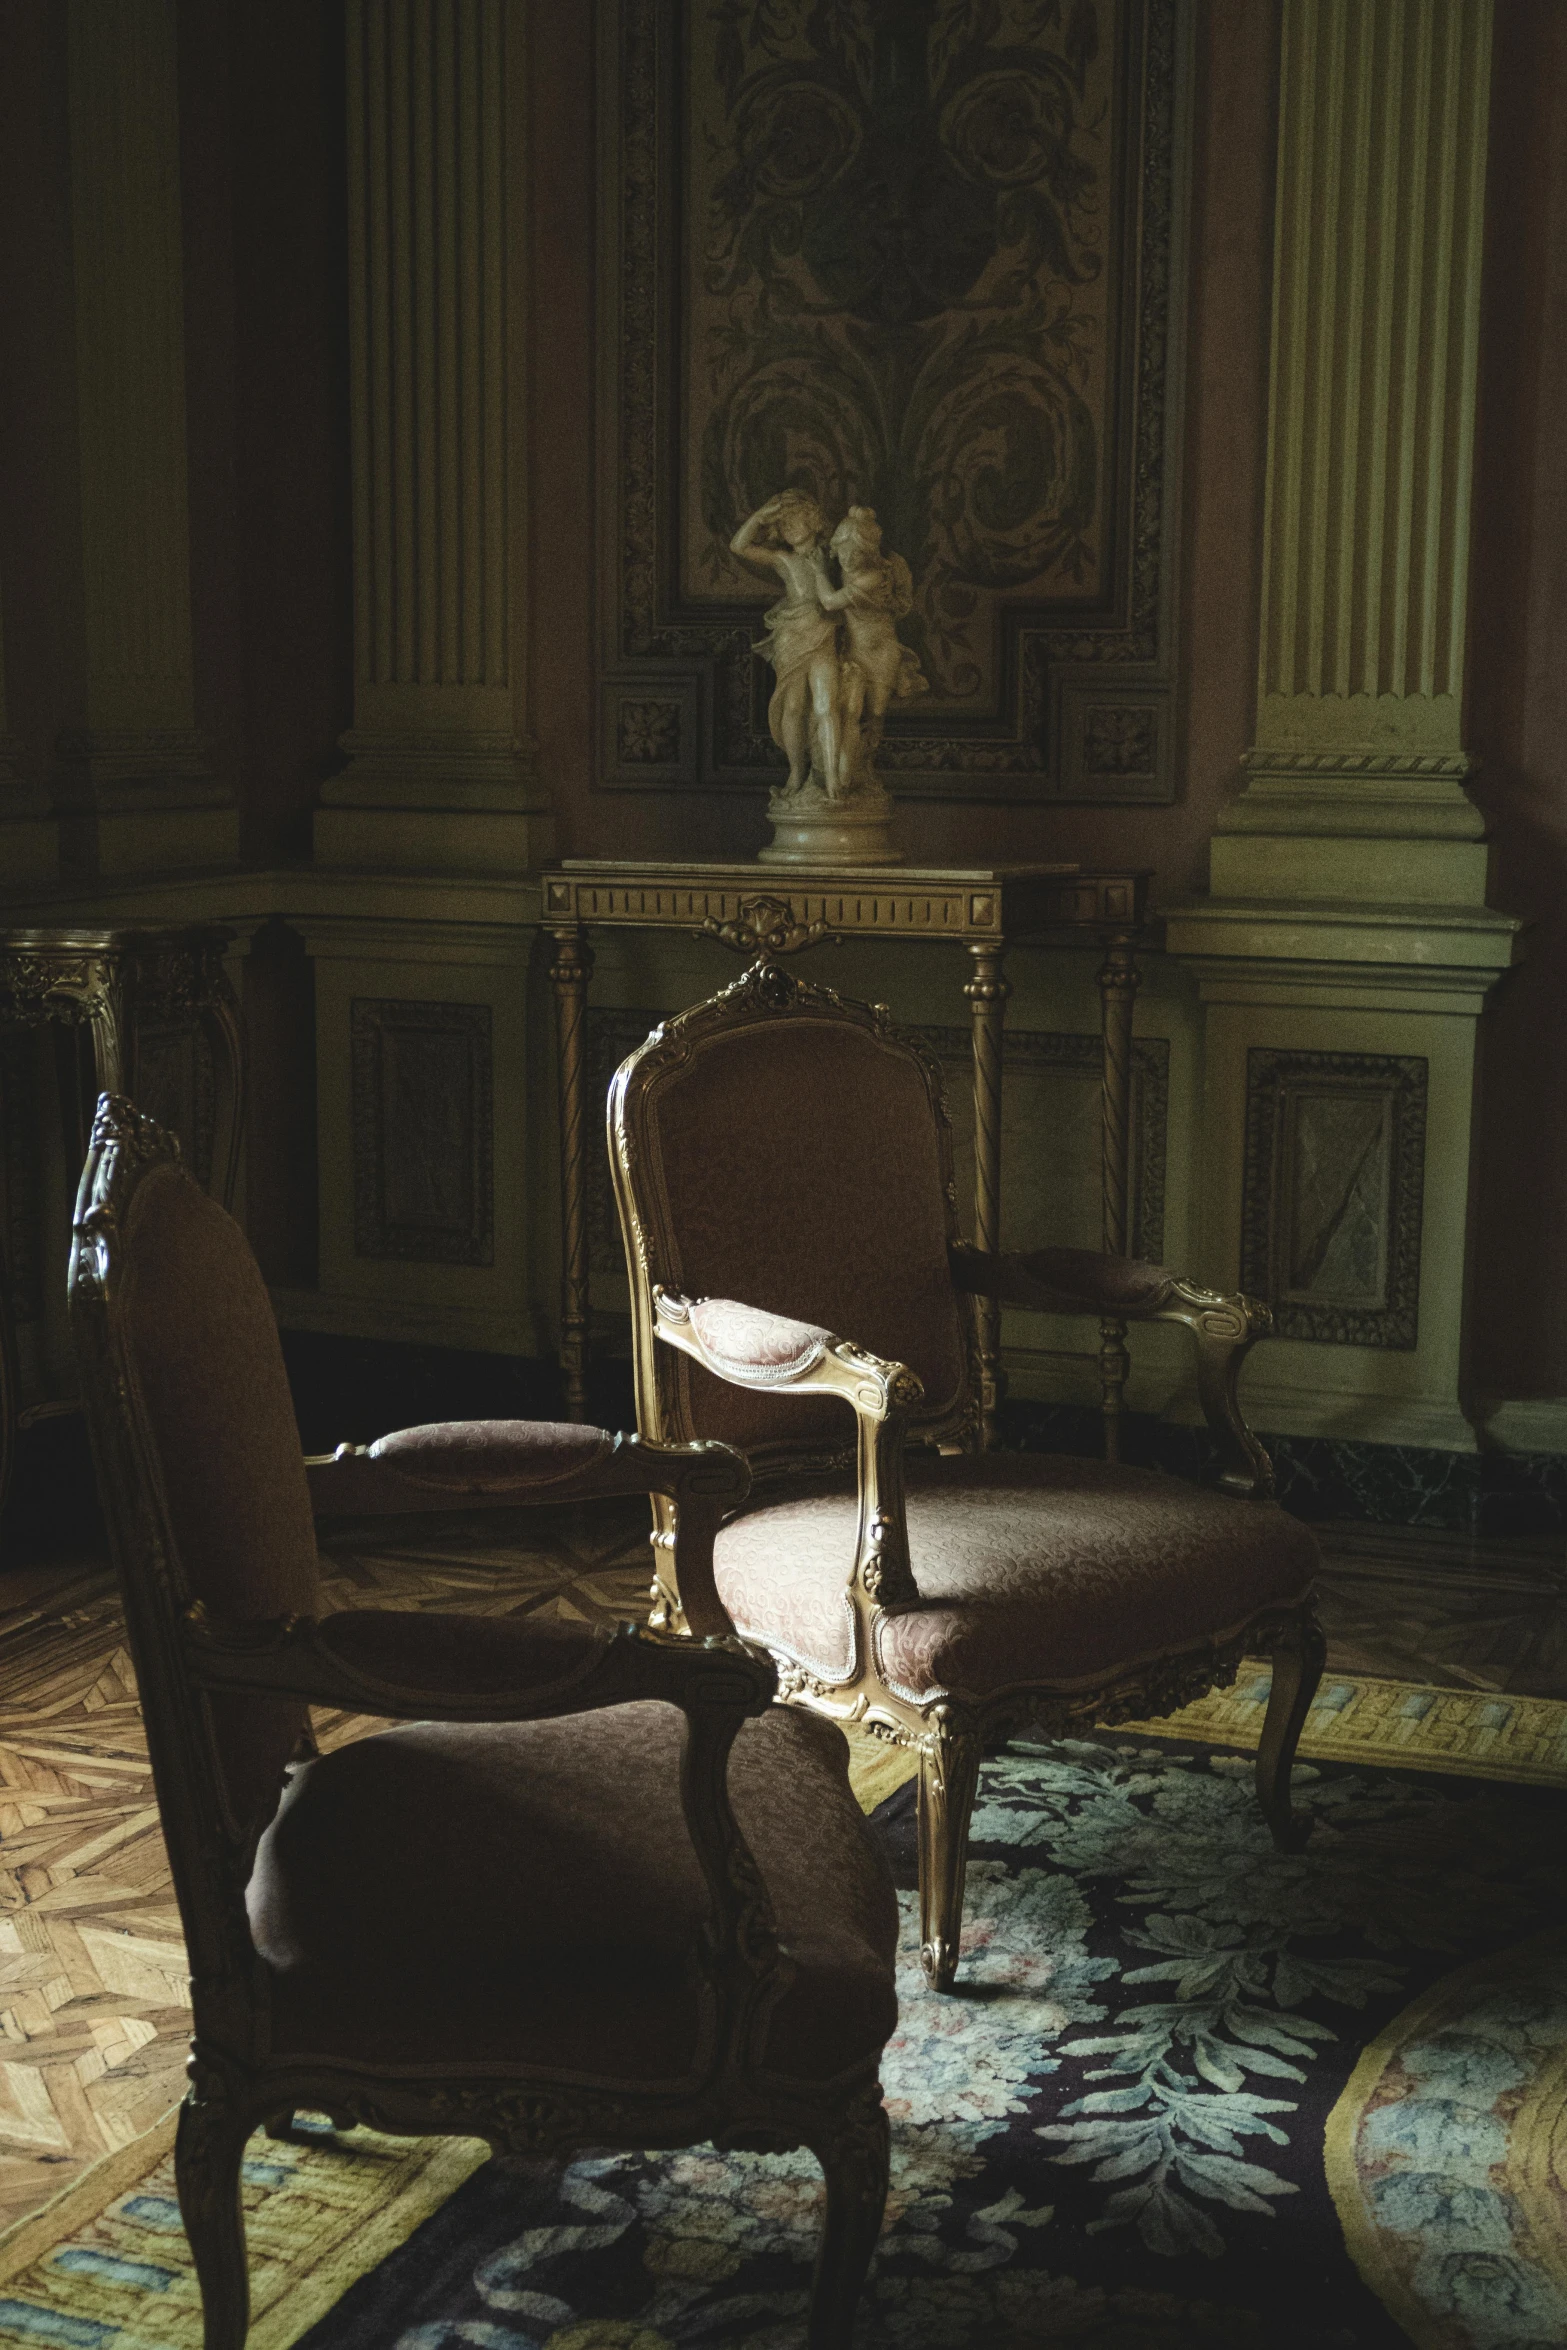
[{"x": 1032, "y": 1569}]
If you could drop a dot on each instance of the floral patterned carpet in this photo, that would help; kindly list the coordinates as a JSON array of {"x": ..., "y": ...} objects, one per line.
[{"x": 1114, "y": 2135}]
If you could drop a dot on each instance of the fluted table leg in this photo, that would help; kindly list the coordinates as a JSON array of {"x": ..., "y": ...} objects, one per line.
[
  {"x": 570, "y": 969},
  {"x": 987, "y": 993},
  {"x": 1118, "y": 983}
]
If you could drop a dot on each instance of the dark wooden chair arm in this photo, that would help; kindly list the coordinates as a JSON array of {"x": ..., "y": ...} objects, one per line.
[
  {"x": 438, "y": 1667},
  {"x": 751, "y": 1347},
  {"x": 1124, "y": 1289},
  {"x": 510, "y": 1464}
]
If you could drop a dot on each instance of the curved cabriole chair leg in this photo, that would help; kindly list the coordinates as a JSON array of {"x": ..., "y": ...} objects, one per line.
[
  {"x": 209, "y": 2148},
  {"x": 854, "y": 2163},
  {"x": 1298, "y": 1659},
  {"x": 949, "y": 1778}
]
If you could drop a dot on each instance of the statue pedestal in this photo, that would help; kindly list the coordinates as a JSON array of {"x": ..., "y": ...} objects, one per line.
[{"x": 811, "y": 829}]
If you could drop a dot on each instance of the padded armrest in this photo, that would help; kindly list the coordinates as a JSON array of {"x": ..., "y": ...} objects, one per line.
[
  {"x": 470, "y": 1668},
  {"x": 752, "y": 1348},
  {"x": 749, "y": 1347},
  {"x": 1122, "y": 1289},
  {"x": 1080, "y": 1281},
  {"x": 494, "y": 1464}
]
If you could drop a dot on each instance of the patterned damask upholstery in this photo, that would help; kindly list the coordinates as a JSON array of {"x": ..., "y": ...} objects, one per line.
[
  {"x": 530, "y": 1890},
  {"x": 492, "y": 1456},
  {"x": 1031, "y": 1569},
  {"x": 799, "y": 1172},
  {"x": 203, "y": 1346}
]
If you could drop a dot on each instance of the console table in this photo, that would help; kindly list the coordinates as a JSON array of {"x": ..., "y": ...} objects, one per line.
[
  {"x": 113, "y": 983},
  {"x": 778, "y": 910}
]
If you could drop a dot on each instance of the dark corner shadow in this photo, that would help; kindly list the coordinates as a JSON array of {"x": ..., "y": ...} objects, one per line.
[{"x": 1517, "y": 1342}]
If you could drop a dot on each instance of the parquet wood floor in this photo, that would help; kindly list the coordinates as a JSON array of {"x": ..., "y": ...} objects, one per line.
[
  {"x": 93, "y": 2005},
  {"x": 1466, "y": 1614}
]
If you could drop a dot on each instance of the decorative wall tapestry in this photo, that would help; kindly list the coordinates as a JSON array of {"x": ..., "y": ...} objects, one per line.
[{"x": 924, "y": 256}]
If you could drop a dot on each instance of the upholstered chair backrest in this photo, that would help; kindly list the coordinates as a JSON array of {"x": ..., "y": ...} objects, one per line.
[
  {"x": 198, "y": 1451},
  {"x": 785, "y": 1148}
]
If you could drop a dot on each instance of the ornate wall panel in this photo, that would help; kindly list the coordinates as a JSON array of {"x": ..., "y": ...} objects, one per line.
[
  {"x": 423, "y": 1142},
  {"x": 1335, "y": 1171},
  {"x": 1051, "y": 1169},
  {"x": 929, "y": 259}
]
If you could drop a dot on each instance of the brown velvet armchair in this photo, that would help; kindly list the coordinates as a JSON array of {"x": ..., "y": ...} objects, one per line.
[
  {"x": 595, "y": 1891},
  {"x": 783, "y": 1167}
]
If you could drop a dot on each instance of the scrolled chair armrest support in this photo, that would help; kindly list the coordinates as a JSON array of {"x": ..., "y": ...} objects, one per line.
[
  {"x": 1083, "y": 1281},
  {"x": 495, "y": 1669},
  {"x": 750, "y": 1347}
]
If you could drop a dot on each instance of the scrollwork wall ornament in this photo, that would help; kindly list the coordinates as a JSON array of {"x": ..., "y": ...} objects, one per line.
[{"x": 956, "y": 312}]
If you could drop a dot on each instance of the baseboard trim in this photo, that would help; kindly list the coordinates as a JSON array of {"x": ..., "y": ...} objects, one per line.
[{"x": 1536, "y": 1425}]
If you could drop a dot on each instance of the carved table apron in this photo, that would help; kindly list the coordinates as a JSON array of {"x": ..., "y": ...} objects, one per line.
[
  {"x": 106, "y": 981},
  {"x": 777, "y": 912}
]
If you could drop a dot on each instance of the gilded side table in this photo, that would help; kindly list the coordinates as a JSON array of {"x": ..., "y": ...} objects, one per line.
[
  {"x": 982, "y": 909},
  {"x": 112, "y": 983}
]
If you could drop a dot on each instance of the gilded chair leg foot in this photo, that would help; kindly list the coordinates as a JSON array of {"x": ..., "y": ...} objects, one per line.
[
  {"x": 949, "y": 1777},
  {"x": 209, "y": 2147},
  {"x": 854, "y": 2163},
  {"x": 1298, "y": 1659}
]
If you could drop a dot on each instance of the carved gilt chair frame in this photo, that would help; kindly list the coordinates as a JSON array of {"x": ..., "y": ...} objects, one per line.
[
  {"x": 949, "y": 1736},
  {"x": 184, "y": 1656}
]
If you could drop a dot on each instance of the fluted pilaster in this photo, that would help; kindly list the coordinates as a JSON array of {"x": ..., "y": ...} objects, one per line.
[
  {"x": 137, "y": 749},
  {"x": 440, "y": 689},
  {"x": 1376, "y": 308},
  {"x": 1345, "y": 950}
]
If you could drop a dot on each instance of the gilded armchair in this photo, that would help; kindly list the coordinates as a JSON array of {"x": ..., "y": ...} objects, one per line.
[
  {"x": 595, "y": 1891},
  {"x": 783, "y": 1169}
]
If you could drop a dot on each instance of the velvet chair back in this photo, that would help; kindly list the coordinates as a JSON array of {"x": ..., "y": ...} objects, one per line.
[
  {"x": 169, "y": 1301},
  {"x": 781, "y": 1147}
]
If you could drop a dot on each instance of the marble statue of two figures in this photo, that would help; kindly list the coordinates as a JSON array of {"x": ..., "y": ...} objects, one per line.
[{"x": 837, "y": 664}]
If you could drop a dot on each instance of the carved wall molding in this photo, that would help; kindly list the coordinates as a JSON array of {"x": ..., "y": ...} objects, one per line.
[
  {"x": 1438, "y": 765},
  {"x": 999, "y": 376},
  {"x": 423, "y": 1132},
  {"x": 1333, "y": 1191}
]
